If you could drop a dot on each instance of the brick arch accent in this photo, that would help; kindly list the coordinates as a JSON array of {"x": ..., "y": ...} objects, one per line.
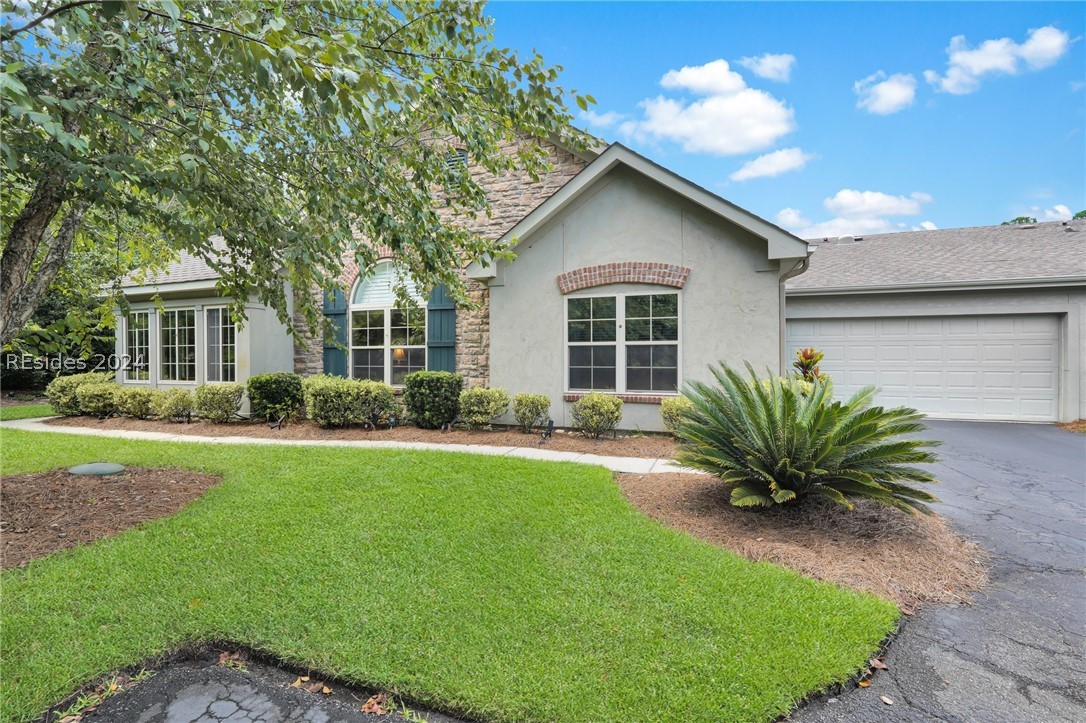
[
  {"x": 350, "y": 273},
  {"x": 631, "y": 272}
]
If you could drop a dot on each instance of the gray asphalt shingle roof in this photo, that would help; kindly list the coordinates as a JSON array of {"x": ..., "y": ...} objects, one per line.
[
  {"x": 982, "y": 253},
  {"x": 186, "y": 268}
]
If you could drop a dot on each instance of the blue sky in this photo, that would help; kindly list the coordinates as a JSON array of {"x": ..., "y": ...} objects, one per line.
[{"x": 888, "y": 116}]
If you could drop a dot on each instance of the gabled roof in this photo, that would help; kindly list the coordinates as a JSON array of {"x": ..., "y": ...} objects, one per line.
[
  {"x": 186, "y": 269},
  {"x": 779, "y": 243},
  {"x": 1021, "y": 254}
]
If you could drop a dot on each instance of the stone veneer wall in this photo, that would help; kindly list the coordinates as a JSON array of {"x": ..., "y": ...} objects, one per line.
[{"x": 513, "y": 195}]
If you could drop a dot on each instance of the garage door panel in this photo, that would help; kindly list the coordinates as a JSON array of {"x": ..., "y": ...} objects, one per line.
[
  {"x": 1038, "y": 352},
  {"x": 997, "y": 325},
  {"x": 927, "y": 352},
  {"x": 927, "y": 380},
  {"x": 996, "y": 380},
  {"x": 966, "y": 367},
  {"x": 861, "y": 353},
  {"x": 961, "y": 380},
  {"x": 893, "y": 353},
  {"x": 997, "y": 353}
]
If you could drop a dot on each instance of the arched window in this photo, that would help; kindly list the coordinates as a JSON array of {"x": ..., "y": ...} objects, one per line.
[{"x": 387, "y": 342}]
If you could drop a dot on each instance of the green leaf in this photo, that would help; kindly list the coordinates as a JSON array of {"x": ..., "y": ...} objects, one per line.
[{"x": 171, "y": 9}]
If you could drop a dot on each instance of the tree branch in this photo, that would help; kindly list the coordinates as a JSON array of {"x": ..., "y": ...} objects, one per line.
[{"x": 6, "y": 36}]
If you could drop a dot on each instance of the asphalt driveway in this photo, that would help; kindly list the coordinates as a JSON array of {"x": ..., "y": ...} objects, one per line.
[{"x": 1019, "y": 653}]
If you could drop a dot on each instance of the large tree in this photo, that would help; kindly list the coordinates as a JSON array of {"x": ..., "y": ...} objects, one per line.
[{"x": 295, "y": 130}]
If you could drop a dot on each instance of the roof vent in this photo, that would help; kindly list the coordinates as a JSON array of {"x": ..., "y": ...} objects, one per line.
[{"x": 1024, "y": 226}]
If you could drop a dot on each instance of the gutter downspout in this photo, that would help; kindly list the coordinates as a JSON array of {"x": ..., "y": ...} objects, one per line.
[{"x": 801, "y": 266}]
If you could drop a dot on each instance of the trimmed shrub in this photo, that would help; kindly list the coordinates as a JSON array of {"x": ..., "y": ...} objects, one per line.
[
  {"x": 338, "y": 402},
  {"x": 672, "y": 410},
  {"x": 377, "y": 402},
  {"x": 98, "y": 399},
  {"x": 531, "y": 410},
  {"x": 61, "y": 392},
  {"x": 595, "y": 414},
  {"x": 135, "y": 401},
  {"x": 328, "y": 400},
  {"x": 275, "y": 394},
  {"x": 173, "y": 404},
  {"x": 432, "y": 398},
  {"x": 778, "y": 446},
  {"x": 218, "y": 402},
  {"x": 480, "y": 406}
]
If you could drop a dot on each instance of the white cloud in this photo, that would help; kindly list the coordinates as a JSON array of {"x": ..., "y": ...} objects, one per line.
[
  {"x": 1059, "y": 212},
  {"x": 602, "y": 120},
  {"x": 730, "y": 120},
  {"x": 869, "y": 204},
  {"x": 715, "y": 78},
  {"x": 966, "y": 65},
  {"x": 773, "y": 164},
  {"x": 884, "y": 95},
  {"x": 857, "y": 213},
  {"x": 770, "y": 66},
  {"x": 927, "y": 226},
  {"x": 792, "y": 218}
]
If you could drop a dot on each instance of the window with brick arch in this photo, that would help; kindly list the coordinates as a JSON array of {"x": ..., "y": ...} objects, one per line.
[{"x": 623, "y": 343}]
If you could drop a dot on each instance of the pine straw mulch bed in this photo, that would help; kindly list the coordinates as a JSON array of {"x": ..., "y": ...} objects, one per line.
[
  {"x": 910, "y": 559},
  {"x": 48, "y": 511},
  {"x": 625, "y": 445},
  {"x": 1076, "y": 426}
]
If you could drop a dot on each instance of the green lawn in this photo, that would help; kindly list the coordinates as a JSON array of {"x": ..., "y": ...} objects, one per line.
[
  {"x": 503, "y": 589},
  {"x": 25, "y": 411}
]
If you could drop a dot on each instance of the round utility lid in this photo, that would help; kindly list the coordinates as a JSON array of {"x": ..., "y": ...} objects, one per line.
[{"x": 100, "y": 469}]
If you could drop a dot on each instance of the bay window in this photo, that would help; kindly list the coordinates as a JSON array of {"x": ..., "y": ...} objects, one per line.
[{"x": 624, "y": 343}]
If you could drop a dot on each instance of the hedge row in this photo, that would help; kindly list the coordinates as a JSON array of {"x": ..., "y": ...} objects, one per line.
[
  {"x": 431, "y": 400},
  {"x": 96, "y": 394}
]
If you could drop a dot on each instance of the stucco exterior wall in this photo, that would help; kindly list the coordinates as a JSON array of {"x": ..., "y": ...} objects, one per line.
[
  {"x": 512, "y": 196},
  {"x": 1068, "y": 303},
  {"x": 730, "y": 304}
]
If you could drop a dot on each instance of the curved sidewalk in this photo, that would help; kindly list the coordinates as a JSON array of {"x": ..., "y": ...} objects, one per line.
[{"x": 615, "y": 464}]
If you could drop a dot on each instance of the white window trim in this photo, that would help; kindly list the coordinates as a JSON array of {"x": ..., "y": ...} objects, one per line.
[
  {"x": 352, "y": 307},
  {"x": 206, "y": 347},
  {"x": 197, "y": 337},
  {"x": 620, "y": 343},
  {"x": 126, "y": 373}
]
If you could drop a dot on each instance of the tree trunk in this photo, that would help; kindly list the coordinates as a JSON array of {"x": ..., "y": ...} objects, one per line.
[{"x": 21, "y": 285}]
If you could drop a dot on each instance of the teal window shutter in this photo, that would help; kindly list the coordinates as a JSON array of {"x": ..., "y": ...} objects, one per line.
[
  {"x": 441, "y": 331},
  {"x": 335, "y": 310}
]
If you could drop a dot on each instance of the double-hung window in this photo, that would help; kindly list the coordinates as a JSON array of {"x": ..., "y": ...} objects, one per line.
[
  {"x": 178, "y": 345},
  {"x": 623, "y": 343},
  {"x": 221, "y": 346},
  {"x": 138, "y": 346},
  {"x": 388, "y": 342}
]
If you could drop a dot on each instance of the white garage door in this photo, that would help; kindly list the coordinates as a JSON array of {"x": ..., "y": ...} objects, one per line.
[{"x": 954, "y": 367}]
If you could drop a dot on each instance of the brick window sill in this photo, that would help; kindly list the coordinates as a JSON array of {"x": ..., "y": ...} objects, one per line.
[{"x": 626, "y": 398}]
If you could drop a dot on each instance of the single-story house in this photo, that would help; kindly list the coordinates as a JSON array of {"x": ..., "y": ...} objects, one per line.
[
  {"x": 628, "y": 279},
  {"x": 983, "y": 323}
]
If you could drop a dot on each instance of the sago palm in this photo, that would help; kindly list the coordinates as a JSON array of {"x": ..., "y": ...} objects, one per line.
[{"x": 777, "y": 444}]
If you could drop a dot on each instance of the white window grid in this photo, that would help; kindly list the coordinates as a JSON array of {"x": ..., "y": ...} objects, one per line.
[{"x": 621, "y": 344}]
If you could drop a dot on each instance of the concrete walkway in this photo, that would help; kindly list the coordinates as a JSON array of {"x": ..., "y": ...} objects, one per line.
[{"x": 638, "y": 465}]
